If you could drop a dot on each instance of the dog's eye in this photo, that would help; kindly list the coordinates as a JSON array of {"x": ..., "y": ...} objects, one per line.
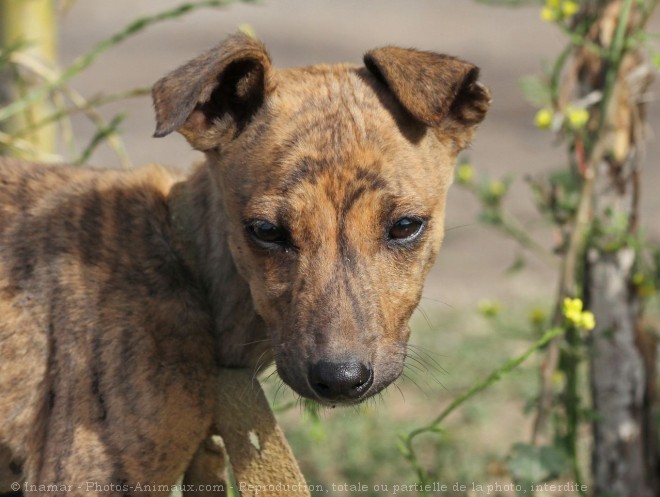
[
  {"x": 406, "y": 229},
  {"x": 266, "y": 232}
]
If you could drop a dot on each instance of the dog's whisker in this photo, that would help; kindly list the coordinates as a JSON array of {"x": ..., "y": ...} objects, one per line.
[
  {"x": 428, "y": 361},
  {"x": 301, "y": 405},
  {"x": 415, "y": 368},
  {"x": 437, "y": 301},
  {"x": 424, "y": 376},
  {"x": 259, "y": 362},
  {"x": 420, "y": 364},
  {"x": 407, "y": 377},
  {"x": 270, "y": 375},
  {"x": 460, "y": 226},
  {"x": 421, "y": 350},
  {"x": 395, "y": 384},
  {"x": 277, "y": 390},
  {"x": 244, "y": 344},
  {"x": 413, "y": 356},
  {"x": 426, "y": 317}
]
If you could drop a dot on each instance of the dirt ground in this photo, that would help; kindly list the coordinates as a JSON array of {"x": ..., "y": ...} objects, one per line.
[{"x": 506, "y": 43}]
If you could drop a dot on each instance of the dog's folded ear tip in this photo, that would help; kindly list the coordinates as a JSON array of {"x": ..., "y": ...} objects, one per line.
[
  {"x": 440, "y": 91},
  {"x": 161, "y": 132},
  {"x": 164, "y": 128},
  {"x": 229, "y": 79}
]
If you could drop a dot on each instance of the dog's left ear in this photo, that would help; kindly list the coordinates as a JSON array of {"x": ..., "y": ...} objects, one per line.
[
  {"x": 440, "y": 91},
  {"x": 211, "y": 98}
]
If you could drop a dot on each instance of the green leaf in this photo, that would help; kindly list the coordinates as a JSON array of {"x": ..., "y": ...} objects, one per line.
[{"x": 528, "y": 463}]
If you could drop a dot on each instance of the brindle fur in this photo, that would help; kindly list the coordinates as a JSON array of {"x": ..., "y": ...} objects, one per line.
[{"x": 121, "y": 293}]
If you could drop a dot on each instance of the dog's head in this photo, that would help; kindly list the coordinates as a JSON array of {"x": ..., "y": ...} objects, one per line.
[{"x": 334, "y": 181}]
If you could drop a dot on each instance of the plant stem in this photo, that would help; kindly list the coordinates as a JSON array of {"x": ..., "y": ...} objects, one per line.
[
  {"x": 476, "y": 388},
  {"x": 614, "y": 57},
  {"x": 92, "y": 103}
]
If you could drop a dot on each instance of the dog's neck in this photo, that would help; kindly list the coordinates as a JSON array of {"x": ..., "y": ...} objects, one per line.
[{"x": 199, "y": 229}]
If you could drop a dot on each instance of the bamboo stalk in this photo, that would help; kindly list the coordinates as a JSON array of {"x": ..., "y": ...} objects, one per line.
[{"x": 32, "y": 24}]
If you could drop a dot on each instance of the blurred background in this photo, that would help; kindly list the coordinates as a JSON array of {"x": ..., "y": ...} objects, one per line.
[{"x": 475, "y": 313}]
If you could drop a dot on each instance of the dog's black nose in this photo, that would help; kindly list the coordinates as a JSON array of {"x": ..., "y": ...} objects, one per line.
[{"x": 340, "y": 380}]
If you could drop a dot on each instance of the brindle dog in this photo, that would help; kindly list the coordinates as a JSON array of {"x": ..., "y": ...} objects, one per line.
[{"x": 305, "y": 237}]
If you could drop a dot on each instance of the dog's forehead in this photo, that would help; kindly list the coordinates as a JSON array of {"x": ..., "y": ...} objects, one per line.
[
  {"x": 323, "y": 81},
  {"x": 346, "y": 92},
  {"x": 338, "y": 118},
  {"x": 334, "y": 131}
]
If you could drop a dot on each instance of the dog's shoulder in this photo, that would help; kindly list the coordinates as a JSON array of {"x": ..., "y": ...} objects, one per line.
[
  {"x": 29, "y": 189},
  {"x": 100, "y": 315},
  {"x": 111, "y": 227}
]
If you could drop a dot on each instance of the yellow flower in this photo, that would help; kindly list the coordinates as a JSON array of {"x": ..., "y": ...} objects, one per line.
[
  {"x": 496, "y": 188},
  {"x": 569, "y": 8},
  {"x": 549, "y": 14},
  {"x": 465, "y": 173},
  {"x": 543, "y": 118},
  {"x": 577, "y": 117},
  {"x": 572, "y": 305},
  {"x": 587, "y": 320},
  {"x": 572, "y": 310},
  {"x": 553, "y": 4},
  {"x": 489, "y": 308}
]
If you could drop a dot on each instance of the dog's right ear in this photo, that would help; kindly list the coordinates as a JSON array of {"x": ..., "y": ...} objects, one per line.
[
  {"x": 214, "y": 95},
  {"x": 439, "y": 91}
]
